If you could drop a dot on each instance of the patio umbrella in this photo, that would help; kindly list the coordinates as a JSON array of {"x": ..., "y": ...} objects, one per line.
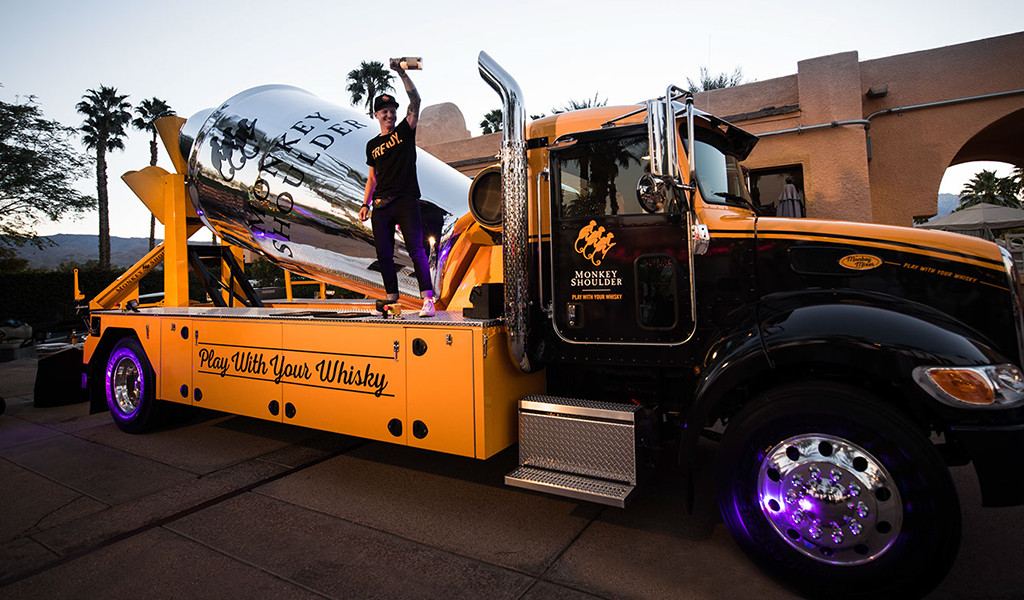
[{"x": 979, "y": 216}]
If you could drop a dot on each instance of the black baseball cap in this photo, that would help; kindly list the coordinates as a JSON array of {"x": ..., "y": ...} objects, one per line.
[{"x": 384, "y": 100}]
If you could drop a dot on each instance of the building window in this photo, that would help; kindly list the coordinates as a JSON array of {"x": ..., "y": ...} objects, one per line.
[{"x": 767, "y": 185}]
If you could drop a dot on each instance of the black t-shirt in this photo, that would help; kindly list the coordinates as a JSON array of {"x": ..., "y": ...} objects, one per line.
[{"x": 393, "y": 158}]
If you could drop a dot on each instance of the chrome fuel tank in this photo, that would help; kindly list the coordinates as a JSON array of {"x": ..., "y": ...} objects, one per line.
[{"x": 281, "y": 172}]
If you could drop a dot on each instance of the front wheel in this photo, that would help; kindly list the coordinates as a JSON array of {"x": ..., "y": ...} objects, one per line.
[
  {"x": 838, "y": 494},
  {"x": 131, "y": 389}
]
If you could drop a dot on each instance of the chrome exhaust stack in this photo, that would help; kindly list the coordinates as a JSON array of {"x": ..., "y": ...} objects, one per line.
[{"x": 514, "y": 219}]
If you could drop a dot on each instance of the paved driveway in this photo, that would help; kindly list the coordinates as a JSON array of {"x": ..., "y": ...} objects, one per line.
[{"x": 232, "y": 507}]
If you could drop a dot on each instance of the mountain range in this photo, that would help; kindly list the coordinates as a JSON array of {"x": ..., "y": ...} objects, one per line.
[
  {"x": 947, "y": 202},
  {"x": 79, "y": 248}
]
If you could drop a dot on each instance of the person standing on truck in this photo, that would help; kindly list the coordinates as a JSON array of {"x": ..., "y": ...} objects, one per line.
[{"x": 394, "y": 192}]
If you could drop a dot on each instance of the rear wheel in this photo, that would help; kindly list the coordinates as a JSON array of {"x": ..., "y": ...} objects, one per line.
[
  {"x": 131, "y": 389},
  {"x": 838, "y": 494}
]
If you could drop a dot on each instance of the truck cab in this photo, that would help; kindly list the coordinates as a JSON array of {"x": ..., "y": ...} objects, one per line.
[{"x": 842, "y": 366}]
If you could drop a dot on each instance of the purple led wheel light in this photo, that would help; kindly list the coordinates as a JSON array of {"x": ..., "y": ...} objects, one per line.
[
  {"x": 829, "y": 499},
  {"x": 125, "y": 382}
]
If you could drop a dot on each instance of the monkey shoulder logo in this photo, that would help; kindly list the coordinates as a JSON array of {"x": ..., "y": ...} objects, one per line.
[
  {"x": 860, "y": 262},
  {"x": 594, "y": 242}
]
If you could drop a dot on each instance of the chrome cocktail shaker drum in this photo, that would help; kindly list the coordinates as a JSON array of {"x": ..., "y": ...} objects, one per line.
[{"x": 282, "y": 172}]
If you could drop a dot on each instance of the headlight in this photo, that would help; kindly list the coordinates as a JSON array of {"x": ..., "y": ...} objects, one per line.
[{"x": 989, "y": 386}]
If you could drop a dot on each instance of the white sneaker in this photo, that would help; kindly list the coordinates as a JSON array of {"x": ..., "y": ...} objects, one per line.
[{"x": 428, "y": 308}]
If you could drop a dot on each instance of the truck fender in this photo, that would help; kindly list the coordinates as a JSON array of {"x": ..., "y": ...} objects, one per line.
[
  {"x": 95, "y": 369},
  {"x": 828, "y": 334},
  {"x": 839, "y": 326}
]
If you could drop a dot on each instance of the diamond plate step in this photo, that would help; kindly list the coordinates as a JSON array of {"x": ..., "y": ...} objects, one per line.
[
  {"x": 577, "y": 448},
  {"x": 577, "y": 487},
  {"x": 579, "y": 437}
]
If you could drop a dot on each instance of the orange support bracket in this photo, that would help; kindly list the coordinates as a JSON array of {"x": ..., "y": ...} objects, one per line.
[
  {"x": 78, "y": 292},
  {"x": 164, "y": 194},
  {"x": 176, "y": 234}
]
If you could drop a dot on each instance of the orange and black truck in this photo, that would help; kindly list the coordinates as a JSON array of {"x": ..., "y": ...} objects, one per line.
[{"x": 609, "y": 295}]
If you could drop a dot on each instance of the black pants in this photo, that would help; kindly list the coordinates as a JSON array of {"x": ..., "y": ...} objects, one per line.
[{"x": 403, "y": 211}]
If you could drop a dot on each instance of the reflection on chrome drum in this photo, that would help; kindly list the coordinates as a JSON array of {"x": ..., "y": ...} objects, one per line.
[{"x": 281, "y": 172}]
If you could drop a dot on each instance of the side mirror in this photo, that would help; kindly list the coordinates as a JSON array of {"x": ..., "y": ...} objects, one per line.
[
  {"x": 661, "y": 141},
  {"x": 652, "y": 193},
  {"x": 662, "y": 138}
]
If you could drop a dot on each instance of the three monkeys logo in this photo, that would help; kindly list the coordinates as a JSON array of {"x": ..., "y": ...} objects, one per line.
[{"x": 594, "y": 242}]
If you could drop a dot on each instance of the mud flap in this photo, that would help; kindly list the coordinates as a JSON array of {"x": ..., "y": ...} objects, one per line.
[{"x": 59, "y": 379}]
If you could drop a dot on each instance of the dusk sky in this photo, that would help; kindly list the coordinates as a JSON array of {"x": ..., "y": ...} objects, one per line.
[{"x": 197, "y": 54}]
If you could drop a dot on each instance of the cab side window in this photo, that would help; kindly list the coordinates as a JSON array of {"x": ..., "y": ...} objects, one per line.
[
  {"x": 656, "y": 291},
  {"x": 599, "y": 177}
]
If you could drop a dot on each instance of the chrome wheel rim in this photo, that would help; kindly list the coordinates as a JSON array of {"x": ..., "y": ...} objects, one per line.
[
  {"x": 830, "y": 499},
  {"x": 127, "y": 386}
]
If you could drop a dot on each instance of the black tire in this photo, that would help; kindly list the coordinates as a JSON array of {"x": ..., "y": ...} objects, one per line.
[
  {"x": 130, "y": 388},
  {"x": 879, "y": 518}
]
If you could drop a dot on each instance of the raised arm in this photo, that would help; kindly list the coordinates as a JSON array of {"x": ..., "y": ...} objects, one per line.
[{"x": 413, "y": 115}]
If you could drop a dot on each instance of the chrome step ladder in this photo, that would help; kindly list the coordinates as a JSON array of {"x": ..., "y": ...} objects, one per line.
[{"x": 580, "y": 449}]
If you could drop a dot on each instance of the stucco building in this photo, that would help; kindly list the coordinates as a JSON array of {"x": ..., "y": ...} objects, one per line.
[{"x": 864, "y": 140}]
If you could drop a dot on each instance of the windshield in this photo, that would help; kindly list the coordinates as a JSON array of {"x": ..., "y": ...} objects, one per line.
[{"x": 719, "y": 176}]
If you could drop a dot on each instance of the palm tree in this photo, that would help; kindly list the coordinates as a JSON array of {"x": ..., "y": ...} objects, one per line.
[
  {"x": 985, "y": 187},
  {"x": 708, "y": 82},
  {"x": 1012, "y": 185},
  {"x": 106, "y": 116},
  {"x": 149, "y": 111},
  {"x": 573, "y": 104},
  {"x": 370, "y": 79},
  {"x": 491, "y": 122}
]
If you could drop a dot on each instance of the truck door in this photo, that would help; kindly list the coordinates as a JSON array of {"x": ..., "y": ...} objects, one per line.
[{"x": 618, "y": 273}]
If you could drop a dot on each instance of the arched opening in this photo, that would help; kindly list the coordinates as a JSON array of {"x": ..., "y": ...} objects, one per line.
[
  {"x": 958, "y": 176},
  {"x": 1000, "y": 141},
  {"x": 996, "y": 148}
]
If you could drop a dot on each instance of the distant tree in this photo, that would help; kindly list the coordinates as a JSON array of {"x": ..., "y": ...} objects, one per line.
[
  {"x": 1013, "y": 185},
  {"x": 149, "y": 111},
  {"x": 264, "y": 273},
  {"x": 985, "y": 187},
  {"x": 9, "y": 261},
  {"x": 491, "y": 122},
  {"x": 106, "y": 116},
  {"x": 717, "y": 82},
  {"x": 38, "y": 168},
  {"x": 70, "y": 265},
  {"x": 579, "y": 105},
  {"x": 369, "y": 80}
]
